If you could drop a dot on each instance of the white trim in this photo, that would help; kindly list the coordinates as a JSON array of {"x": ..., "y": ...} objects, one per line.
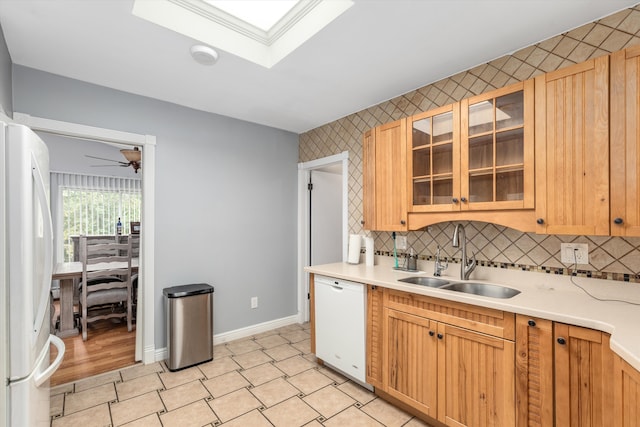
[
  {"x": 303, "y": 225},
  {"x": 145, "y": 328},
  {"x": 162, "y": 353}
]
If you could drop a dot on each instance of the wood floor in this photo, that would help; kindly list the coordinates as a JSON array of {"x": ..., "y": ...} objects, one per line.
[{"x": 108, "y": 347}]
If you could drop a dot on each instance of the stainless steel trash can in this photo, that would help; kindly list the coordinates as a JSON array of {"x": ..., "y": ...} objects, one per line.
[{"x": 189, "y": 310}]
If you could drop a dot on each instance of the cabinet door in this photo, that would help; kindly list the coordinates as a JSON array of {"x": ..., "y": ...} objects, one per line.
[
  {"x": 369, "y": 180},
  {"x": 572, "y": 149},
  {"x": 625, "y": 142},
  {"x": 411, "y": 352},
  {"x": 391, "y": 179},
  {"x": 375, "y": 338},
  {"x": 626, "y": 394},
  {"x": 534, "y": 372},
  {"x": 433, "y": 162},
  {"x": 475, "y": 379},
  {"x": 583, "y": 371},
  {"x": 497, "y": 149}
]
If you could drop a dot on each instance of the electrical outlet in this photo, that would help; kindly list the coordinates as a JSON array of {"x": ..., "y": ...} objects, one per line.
[
  {"x": 581, "y": 251},
  {"x": 254, "y": 302},
  {"x": 401, "y": 242}
]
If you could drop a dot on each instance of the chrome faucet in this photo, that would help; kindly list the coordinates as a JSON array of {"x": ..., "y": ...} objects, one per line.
[
  {"x": 438, "y": 268},
  {"x": 465, "y": 267}
]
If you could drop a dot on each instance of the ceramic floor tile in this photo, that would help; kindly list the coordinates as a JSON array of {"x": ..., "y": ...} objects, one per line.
[
  {"x": 245, "y": 346},
  {"x": 335, "y": 376},
  {"x": 292, "y": 412},
  {"x": 289, "y": 328},
  {"x": 97, "y": 416},
  {"x": 234, "y": 404},
  {"x": 183, "y": 394},
  {"x": 251, "y": 359},
  {"x": 226, "y": 383},
  {"x": 148, "y": 421},
  {"x": 174, "y": 379},
  {"x": 110, "y": 377},
  {"x": 386, "y": 413},
  {"x": 304, "y": 346},
  {"x": 252, "y": 419},
  {"x": 218, "y": 367},
  {"x": 282, "y": 352},
  {"x": 196, "y": 414},
  {"x": 138, "y": 386},
  {"x": 329, "y": 401},
  {"x": 75, "y": 402},
  {"x": 140, "y": 371},
  {"x": 352, "y": 417},
  {"x": 274, "y": 392},
  {"x": 357, "y": 392},
  {"x": 265, "y": 334},
  {"x": 261, "y": 374},
  {"x": 61, "y": 389},
  {"x": 313, "y": 423},
  {"x": 56, "y": 405},
  {"x": 137, "y": 407},
  {"x": 271, "y": 341},
  {"x": 294, "y": 365},
  {"x": 415, "y": 422},
  {"x": 310, "y": 381},
  {"x": 296, "y": 336},
  {"x": 221, "y": 350}
]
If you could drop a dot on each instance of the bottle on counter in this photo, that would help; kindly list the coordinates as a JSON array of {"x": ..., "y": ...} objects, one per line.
[{"x": 119, "y": 227}]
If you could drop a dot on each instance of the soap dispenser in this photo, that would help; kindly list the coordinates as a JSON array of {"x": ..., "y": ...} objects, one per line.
[{"x": 412, "y": 262}]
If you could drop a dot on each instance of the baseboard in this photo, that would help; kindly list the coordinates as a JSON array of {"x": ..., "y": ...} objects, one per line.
[{"x": 162, "y": 353}]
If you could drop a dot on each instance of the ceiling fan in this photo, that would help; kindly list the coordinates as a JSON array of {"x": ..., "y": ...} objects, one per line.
[{"x": 133, "y": 157}]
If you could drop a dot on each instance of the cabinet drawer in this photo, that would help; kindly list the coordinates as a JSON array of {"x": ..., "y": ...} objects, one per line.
[{"x": 480, "y": 319}]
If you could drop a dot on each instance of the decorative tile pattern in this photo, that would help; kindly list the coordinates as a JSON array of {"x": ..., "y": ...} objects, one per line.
[
  {"x": 222, "y": 393},
  {"x": 612, "y": 257}
]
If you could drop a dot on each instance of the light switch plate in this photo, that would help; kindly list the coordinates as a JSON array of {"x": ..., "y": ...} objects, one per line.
[
  {"x": 401, "y": 242},
  {"x": 581, "y": 253},
  {"x": 254, "y": 302}
]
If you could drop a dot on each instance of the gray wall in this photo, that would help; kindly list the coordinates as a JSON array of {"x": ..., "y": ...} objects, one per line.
[
  {"x": 226, "y": 197},
  {"x": 6, "y": 104}
]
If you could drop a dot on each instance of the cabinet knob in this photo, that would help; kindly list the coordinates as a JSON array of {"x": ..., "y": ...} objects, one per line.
[
  {"x": 362, "y": 222},
  {"x": 403, "y": 222},
  {"x": 440, "y": 336},
  {"x": 431, "y": 333},
  {"x": 540, "y": 221},
  {"x": 454, "y": 200},
  {"x": 618, "y": 221},
  {"x": 562, "y": 341},
  {"x": 463, "y": 199},
  {"x": 531, "y": 323}
]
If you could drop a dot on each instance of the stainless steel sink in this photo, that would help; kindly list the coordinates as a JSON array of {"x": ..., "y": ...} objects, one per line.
[
  {"x": 425, "y": 281},
  {"x": 483, "y": 289}
]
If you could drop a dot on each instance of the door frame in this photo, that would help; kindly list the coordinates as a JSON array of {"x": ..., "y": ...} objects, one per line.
[
  {"x": 304, "y": 173},
  {"x": 145, "y": 340}
]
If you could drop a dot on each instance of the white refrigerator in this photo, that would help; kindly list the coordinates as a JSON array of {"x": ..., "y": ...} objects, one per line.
[{"x": 25, "y": 268}]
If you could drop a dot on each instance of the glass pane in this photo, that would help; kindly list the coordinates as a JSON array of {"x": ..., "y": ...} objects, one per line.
[
  {"x": 481, "y": 152},
  {"x": 481, "y": 117},
  {"x": 422, "y": 162},
  {"x": 510, "y": 185},
  {"x": 443, "y": 158},
  {"x": 421, "y": 134},
  {"x": 481, "y": 188},
  {"x": 421, "y": 192},
  {"x": 510, "y": 147},
  {"x": 442, "y": 191},
  {"x": 509, "y": 110},
  {"x": 443, "y": 127}
]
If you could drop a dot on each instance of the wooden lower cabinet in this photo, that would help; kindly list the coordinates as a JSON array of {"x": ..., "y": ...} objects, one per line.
[
  {"x": 375, "y": 336},
  {"x": 626, "y": 395}
]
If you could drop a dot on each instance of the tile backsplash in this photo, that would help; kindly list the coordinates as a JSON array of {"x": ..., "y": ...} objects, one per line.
[{"x": 609, "y": 257}]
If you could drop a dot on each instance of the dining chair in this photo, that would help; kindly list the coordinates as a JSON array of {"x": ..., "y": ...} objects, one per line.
[{"x": 105, "y": 288}]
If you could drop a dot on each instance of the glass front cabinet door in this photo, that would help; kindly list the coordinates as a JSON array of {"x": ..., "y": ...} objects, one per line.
[
  {"x": 433, "y": 152},
  {"x": 497, "y": 149}
]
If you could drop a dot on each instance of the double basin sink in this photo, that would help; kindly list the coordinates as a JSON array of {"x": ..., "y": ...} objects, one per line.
[{"x": 482, "y": 289}]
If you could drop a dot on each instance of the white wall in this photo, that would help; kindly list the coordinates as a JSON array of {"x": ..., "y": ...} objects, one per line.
[
  {"x": 6, "y": 103},
  {"x": 225, "y": 194}
]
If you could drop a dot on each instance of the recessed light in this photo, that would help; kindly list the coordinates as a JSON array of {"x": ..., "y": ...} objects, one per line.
[{"x": 204, "y": 54}]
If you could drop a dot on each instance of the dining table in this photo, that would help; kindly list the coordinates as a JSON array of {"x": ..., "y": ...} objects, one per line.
[{"x": 70, "y": 273}]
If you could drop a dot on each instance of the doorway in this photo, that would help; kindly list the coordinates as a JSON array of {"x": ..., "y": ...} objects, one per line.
[{"x": 323, "y": 218}]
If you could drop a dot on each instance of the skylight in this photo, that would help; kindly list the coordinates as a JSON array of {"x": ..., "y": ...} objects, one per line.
[
  {"x": 226, "y": 26},
  {"x": 263, "y": 14}
]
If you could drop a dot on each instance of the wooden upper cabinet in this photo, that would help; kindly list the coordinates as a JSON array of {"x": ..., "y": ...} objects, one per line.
[
  {"x": 497, "y": 149},
  {"x": 572, "y": 148},
  {"x": 625, "y": 142},
  {"x": 390, "y": 176},
  {"x": 433, "y": 160},
  {"x": 369, "y": 180}
]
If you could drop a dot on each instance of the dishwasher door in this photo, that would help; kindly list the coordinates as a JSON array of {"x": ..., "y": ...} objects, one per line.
[{"x": 340, "y": 325}]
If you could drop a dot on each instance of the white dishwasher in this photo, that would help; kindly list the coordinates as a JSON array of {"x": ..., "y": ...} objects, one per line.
[{"x": 340, "y": 319}]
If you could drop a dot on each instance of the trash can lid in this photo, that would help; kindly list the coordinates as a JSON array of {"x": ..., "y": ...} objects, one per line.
[{"x": 187, "y": 290}]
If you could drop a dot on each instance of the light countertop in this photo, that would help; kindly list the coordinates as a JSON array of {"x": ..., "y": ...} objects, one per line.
[{"x": 546, "y": 296}]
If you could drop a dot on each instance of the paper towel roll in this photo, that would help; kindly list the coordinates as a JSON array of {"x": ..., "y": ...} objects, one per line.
[
  {"x": 355, "y": 243},
  {"x": 368, "y": 246}
]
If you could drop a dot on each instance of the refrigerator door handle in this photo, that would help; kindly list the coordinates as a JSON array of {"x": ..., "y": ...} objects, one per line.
[
  {"x": 45, "y": 286},
  {"x": 42, "y": 377}
]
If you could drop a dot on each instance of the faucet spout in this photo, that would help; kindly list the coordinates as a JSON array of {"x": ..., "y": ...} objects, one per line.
[{"x": 460, "y": 239}]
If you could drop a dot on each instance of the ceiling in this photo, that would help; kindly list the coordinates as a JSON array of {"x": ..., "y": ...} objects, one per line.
[{"x": 375, "y": 51}]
